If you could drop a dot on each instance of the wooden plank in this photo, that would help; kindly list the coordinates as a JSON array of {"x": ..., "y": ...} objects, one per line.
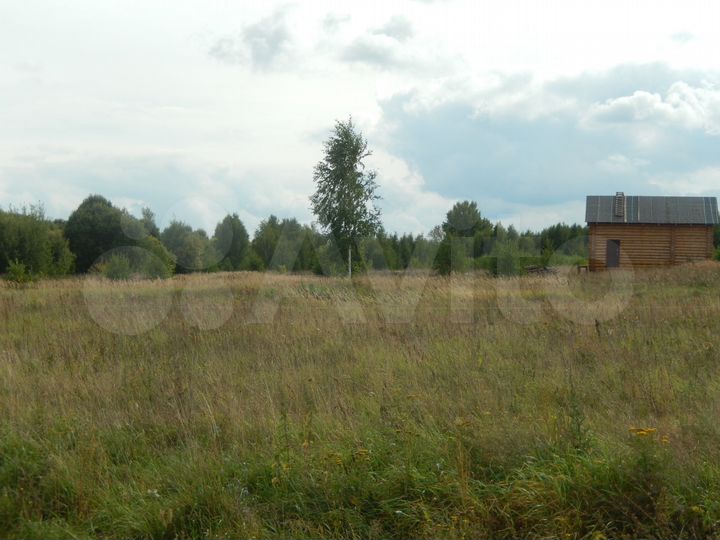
[{"x": 650, "y": 245}]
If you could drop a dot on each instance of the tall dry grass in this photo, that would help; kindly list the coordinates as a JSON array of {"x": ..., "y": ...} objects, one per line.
[{"x": 257, "y": 405}]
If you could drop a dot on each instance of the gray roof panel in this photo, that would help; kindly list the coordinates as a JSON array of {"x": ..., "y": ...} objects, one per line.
[{"x": 653, "y": 210}]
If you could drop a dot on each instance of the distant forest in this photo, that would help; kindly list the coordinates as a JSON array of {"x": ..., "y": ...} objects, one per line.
[{"x": 99, "y": 237}]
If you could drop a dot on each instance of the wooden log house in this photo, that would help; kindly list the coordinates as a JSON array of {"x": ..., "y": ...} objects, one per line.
[{"x": 637, "y": 232}]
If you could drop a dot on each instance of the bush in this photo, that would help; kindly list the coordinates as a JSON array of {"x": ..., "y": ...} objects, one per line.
[
  {"x": 63, "y": 260},
  {"x": 26, "y": 236},
  {"x": 117, "y": 267},
  {"x": 18, "y": 273},
  {"x": 152, "y": 261},
  {"x": 161, "y": 264},
  {"x": 488, "y": 263},
  {"x": 252, "y": 262},
  {"x": 717, "y": 254}
]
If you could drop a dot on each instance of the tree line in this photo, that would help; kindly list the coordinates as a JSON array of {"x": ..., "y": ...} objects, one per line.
[{"x": 99, "y": 237}]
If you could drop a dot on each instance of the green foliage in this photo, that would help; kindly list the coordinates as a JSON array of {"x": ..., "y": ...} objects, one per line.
[
  {"x": 94, "y": 228},
  {"x": 564, "y": 239},
  {"x": 149, "y": 260},
  {"x": 18, "y": 273},
  {"x": 296, "y": 247},
  {"x": 192, "y": 249},
  {"x": 453, "y": 255},
  {"x": 464, "y": 219},
  {"x": 266, "y": 238},
  {"x": 443, "y": 259},
  {"x": 466, "y": 240},
  {"x": 27, "y": 237},
  {"x": 329, "y": 260},
  {"x": 345, "y": 191},
  {"x": 286, "y": 243},
  {"x": 116, "y": 267},
  {"x": 375, "y": 256},
  {"x": 717, "y": 254},
  {"x": 62, "y": 259},
  {"x": 148, "y": 221},
  {"x": 132, "y": 228},
  {"x": 508, "y": 258},
  {"x": 487, "y": 264},
  {"x": 231, "y": 241},
  {"x": 160, "y": 262},
  {"x": 253, "y": 262}
]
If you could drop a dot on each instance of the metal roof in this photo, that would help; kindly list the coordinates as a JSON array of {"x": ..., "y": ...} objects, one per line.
[{"x": 652, "y": 210}]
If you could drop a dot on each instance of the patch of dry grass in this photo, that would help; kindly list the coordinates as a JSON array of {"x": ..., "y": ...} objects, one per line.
[{"x": 238, "y": 405}]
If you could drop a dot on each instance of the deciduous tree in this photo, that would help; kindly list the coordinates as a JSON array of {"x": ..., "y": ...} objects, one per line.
[{"x": 344, "y": 199}]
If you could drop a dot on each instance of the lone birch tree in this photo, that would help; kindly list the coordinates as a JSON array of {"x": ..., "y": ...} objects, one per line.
[{"x": 344, "y": 199}]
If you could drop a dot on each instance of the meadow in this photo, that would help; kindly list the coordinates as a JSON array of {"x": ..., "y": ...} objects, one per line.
[{"x": 275, "y": 406}]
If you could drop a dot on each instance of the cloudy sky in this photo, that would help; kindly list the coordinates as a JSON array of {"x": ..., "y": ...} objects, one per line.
[{"x": 197, "y": 108}]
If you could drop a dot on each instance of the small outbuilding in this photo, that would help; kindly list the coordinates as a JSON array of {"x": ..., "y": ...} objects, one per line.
[{"x": 636, "y": 231}]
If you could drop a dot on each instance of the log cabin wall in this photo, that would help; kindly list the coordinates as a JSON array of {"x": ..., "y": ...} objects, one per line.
[{"x": 647, "y": 245}]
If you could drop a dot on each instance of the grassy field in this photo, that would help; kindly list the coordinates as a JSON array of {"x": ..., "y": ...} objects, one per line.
[{"x": 250, "y": 405}]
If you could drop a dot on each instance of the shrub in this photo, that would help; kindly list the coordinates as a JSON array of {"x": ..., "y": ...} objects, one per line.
[
  {"x": 159, "y": 262},
  {"x": 117, "y": 267},
  {"x": 28, "y": 237},
  {"x": 252, "y": 262},
  {"x": 18, "y": 273},
  {"x": 488, "y": 263},
  {"x": 63, "y": 260}
]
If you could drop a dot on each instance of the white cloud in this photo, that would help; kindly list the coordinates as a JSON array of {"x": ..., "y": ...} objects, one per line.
[
  {"x": 621, "y": 164},
  {"x": 145, "y": 114},
  {"x": 683, "y": 106},
  {"x": 408, "y": 205},
  {"x": 682, "y": 37},
  {"x": 259, "y": 44},
  {"x": 701, "y": 182},
  {"x": 398, "y": 27},
  {"x": 332, "y": 22}
]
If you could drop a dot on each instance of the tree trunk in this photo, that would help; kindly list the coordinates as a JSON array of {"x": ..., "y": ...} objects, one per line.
[{"x": 350, "y": 261}]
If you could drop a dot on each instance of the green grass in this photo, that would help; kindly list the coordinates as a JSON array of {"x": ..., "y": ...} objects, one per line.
[{"x": 487, "y": 413}]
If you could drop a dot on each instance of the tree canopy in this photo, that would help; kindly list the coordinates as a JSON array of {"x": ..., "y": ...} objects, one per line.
[
  {"x": 231, "y": 242},
  {"x": 345, "y": 190},
  {"x": 92, "y": 229}
]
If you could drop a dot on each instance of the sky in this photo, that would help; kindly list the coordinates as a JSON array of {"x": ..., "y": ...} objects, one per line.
[{"x": 203, "y": 108}]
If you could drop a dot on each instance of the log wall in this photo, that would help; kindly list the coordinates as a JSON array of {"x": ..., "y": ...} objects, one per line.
[{"x": 650, "y": 245}]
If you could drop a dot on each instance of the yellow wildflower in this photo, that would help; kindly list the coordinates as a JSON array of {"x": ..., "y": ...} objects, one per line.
[
  {"x": 362, "y": 454},
  {"x": 642, "y": 432},
  {"x": 335, "y": 458}
]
